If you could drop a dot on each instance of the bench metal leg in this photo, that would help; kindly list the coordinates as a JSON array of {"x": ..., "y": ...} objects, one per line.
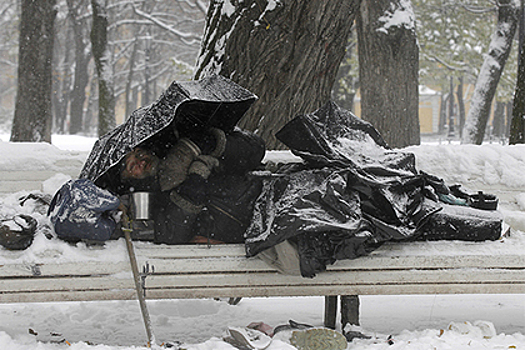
[
  {"x": 330, "y": 311},
  {"x": 349, "y": 310},
  {"x": 234, "y": 301}
]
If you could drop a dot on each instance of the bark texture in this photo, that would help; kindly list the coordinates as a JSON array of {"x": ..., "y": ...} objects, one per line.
[
  {"x": 286, "y": 52},
  {"x": 388, "y": 71},
  {"x": 33, "y": 117},
  {"x": 517, "y": 124},
  {"x": 490, "y": 73}
]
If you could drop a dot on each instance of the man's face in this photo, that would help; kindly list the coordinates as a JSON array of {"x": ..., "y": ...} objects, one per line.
[{"x": 140, "y": 164}]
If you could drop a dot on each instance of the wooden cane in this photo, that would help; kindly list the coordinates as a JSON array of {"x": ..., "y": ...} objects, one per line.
[{"x": 138, "y": 287}]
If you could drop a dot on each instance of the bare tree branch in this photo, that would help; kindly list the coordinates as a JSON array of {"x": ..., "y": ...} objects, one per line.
[
  {"x": 191, "y": 37},
  {"x": 462, "y": 68}
]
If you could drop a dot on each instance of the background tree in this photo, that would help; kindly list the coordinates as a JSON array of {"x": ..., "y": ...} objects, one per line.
[
  {"x": 80, "y": 24},
  {"x": 63, "y": 63},
  {"x": 517, "y": 126},
  {"x": 491, "y": 71},
  {"x": 461, "y": 104},
  {"x": 347, "y": 80},
  {"x": 9, "y": 29},
  {"x": 32, "y": 118},
  {"x": 388, "y": 70},
  {"x": 174, "y": 30},
  {"x": 286, "y": 52},
  {"x": 454, "y": 37},
  {"x": 152, "y": 43},
  {"x": 102, "y": 56}
]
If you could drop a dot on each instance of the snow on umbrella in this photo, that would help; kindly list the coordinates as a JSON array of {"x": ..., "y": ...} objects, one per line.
[{"x": 214, "y": 101}]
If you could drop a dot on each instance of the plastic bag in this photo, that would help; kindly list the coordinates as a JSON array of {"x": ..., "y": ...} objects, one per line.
[{"x": 82, "y": 211}]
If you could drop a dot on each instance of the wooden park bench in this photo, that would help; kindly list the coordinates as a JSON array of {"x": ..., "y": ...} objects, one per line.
[
  {"x": 174, "y": 272},
  {"x": 201, "y": 271}
]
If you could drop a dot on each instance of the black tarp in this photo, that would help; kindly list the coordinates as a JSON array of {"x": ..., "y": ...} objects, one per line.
[{"x": 352, "y": 194}]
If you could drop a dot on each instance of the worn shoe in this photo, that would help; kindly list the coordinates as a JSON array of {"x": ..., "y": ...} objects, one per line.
[
  {"x": 292, "y": 325},
  {"x": 318, "y": 339},
  {"x": 247, "y": 338}
]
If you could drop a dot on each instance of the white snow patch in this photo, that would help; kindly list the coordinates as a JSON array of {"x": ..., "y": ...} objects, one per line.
[{"x": 401, "y": 16}]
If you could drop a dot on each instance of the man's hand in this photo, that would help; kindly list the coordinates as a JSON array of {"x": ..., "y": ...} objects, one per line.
[{"x": 203, "y": 166}]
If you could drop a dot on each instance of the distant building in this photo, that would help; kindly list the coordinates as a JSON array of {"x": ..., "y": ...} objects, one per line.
[{"x": 429, "y": 103}]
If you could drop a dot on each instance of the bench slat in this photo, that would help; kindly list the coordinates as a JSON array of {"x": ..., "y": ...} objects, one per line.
[
  {"x": 270, "y": 291},
  {"x": 379, "y": 277},
  {"x": 85, "y": 268},
  {"x": 76, "y": 295},
  {"x": 224, "y": 271},
  {"x": 196, "y": 264},
  {"x": 274, "y": 284},
  {"x": 66, "y": 283}
]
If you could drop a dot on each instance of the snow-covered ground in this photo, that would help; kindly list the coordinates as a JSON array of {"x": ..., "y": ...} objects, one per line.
[{"x": 414, "y": 322}]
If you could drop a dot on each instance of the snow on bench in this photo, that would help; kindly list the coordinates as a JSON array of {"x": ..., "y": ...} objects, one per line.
[
  {"x": 26, "y": 166},
  {"x": 173, "y": 272},
  {"x": 52, "y": 270}
]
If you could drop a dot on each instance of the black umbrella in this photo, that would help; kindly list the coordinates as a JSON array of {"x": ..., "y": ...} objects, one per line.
[{"x": 214, "y": 101}]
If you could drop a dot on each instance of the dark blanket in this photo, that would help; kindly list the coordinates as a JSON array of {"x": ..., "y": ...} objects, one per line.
[{"x": 352, "y": 194}]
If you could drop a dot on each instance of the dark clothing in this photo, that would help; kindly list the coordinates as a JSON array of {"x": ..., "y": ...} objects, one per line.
[
  {"x": 244, "y": 152},
  {"x": 229, "y": 208},
  {"x": 219, "y": 207}
]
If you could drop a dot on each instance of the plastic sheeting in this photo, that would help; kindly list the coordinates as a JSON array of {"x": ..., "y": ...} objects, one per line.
[{"x": 352, "y": 194}]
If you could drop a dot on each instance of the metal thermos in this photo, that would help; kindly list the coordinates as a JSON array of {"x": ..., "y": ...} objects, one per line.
[{"x": 141, "y": 205}]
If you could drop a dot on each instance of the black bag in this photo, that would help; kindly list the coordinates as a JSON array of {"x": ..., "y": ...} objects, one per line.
[
  {"x": 82, "y": 211},
  {"x": 14, "y": 239}
]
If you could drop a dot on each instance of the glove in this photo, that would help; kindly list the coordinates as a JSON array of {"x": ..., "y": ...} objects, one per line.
[
  {"x": 174, "y": 168},
  {"x": 203, "y": 166},
  {"x": 220, "y": 142}
]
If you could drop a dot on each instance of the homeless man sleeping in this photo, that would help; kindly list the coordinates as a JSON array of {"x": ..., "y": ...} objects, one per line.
[{"x": 350, "y": 194}]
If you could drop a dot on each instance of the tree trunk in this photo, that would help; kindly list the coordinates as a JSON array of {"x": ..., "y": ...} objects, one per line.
[
  {"x": 61, "y": 83},
  {"x": 442, "y": 114},
  {"x": 490, "y": 73},
  {"x": 33, "y": 118},
  {"x": 90, "y": 119},
  {"x": 101, "y": 54},
  {"x": 517, "y": 124},
  {"x": 498, "y": 123},
  {"x": 388, "y": 70},
  {"x": 286, "y": 52},
  {"x": 130, "y": 103},
  {"x": 78, "y": 94},
  {"x": 461, "y": 106},
  {"x": 508, "y": 114},
  {"x": 451, "y": 109}
]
